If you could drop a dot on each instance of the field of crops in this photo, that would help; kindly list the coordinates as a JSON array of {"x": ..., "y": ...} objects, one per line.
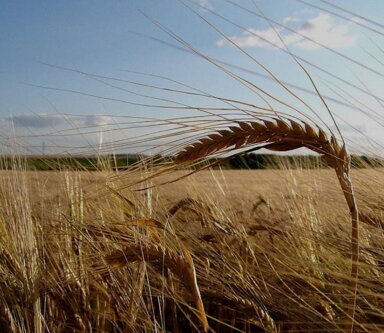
[
  {"x": 191, "y": 166},
  {"x": 238, "y": 250}
]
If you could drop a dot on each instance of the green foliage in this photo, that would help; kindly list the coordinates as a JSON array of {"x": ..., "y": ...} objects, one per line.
[{"x": 113, "y": 162}]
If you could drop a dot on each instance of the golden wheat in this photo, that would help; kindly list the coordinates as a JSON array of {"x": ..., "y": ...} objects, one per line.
[
  {"x": 181, "y": 264},
  {"x": 257, "y": 313},
  {"x": 280, "y": 135}
]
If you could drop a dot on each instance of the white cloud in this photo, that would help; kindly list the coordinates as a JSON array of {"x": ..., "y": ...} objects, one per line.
[
  {"x": 205, "y": 3},
  {"x": 356, "y": 20},
  {"x": 290, "y": 19},
  {"x": 36, "y": 120},
  {"x": 254, "y": 38},
  {"x": 55, "y": 120},
  {"x": 322, "y": 29},
  {"x": 98, "y": 120}
]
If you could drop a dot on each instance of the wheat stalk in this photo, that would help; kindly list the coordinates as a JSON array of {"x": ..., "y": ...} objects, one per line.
[
  {"x": 284, "y": 135},
  {"x": 257, "y": 313},
  {"x": 181, "y": 264}
]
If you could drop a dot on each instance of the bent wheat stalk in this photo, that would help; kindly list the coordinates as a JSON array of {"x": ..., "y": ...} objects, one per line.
[
  {"x": 283, "y": 135},
  {"x": 260, "y": 316},
  {"x": 181, "y": 264}
]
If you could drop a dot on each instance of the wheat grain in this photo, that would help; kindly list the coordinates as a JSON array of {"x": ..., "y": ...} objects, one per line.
[
  {"x": 277, "y": 133},
  {"x": 259, "y": 315},
  {"x": 181, "y": 264},
  {"x": 284, "y": 135}
]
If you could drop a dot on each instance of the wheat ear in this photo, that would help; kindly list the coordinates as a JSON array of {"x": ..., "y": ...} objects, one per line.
[
  {"x": 260, "y": 317},
  {"x": 181, "y": 264},
  {"x": 283, "y": 135}
]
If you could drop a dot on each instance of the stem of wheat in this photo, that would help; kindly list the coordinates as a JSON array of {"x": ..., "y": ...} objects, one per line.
[{"x": 283, "y": 135}]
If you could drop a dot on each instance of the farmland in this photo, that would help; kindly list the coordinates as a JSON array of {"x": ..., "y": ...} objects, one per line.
[{"x": 269, "y": 248}]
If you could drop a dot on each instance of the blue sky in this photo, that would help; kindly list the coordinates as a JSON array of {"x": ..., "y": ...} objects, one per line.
[{"x": 99, "y": 37}]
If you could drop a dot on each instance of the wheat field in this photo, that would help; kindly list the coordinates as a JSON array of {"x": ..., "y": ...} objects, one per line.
[
  {"x": 232, "y": 250},
  {"x": 127, "y": 207}
]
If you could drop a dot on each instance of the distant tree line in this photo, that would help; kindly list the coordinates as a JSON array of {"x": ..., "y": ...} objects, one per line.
[
  {"x": 270, "y": 161},
  {"x": 250, "y": 161}
]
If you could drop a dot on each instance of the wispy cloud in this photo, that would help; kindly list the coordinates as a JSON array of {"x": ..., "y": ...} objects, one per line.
[
  {"x": 206, "y": 3},
  {"x": 290, "y": 19},
  {"x": 322, "y": 29},
  {"x": 36, "y": 120},
  {"x": 40, "y": 121},
  {"x": 97, "y": 120}
]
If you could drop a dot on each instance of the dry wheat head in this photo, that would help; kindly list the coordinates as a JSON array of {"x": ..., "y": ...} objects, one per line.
[{"x": 276, "y": 133}]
